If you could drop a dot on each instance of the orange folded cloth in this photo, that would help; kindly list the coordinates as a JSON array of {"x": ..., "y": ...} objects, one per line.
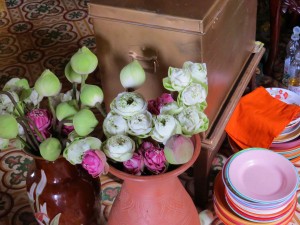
[{"x": 259, "y": 118}]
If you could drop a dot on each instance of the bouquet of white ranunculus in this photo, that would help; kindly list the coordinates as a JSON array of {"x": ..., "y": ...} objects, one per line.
[
  {"x": 48, "y": 123},
  {"x": 146, "y": 136}
]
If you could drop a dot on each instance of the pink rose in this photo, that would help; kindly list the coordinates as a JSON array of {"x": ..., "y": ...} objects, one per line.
[
  {"x": 94, "y": 161},
  {"x": 154, "y": 106},
  {"x": 42, "y": 120},
  {"x": 135, "y": 165},
  {"x": 154, "y": 158}
]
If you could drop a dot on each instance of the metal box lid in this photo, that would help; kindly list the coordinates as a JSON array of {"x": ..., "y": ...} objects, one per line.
[{"x": 187, "y": 15}]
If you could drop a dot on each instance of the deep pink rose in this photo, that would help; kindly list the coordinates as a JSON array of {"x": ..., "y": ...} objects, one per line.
[
  {"x": 135, "y": 165},
  {"x": 154, "y": 106},
  {"x": 67, "y": 129},
  {"x": 154, "y": 158},
  {"x": 94, "y": 161},
  {"x": 42, "y": 120}
]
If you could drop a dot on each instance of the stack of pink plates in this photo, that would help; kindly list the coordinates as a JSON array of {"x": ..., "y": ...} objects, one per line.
[
  {"x": 288, "y": 142},
  {"x": 259, "y": 187}
]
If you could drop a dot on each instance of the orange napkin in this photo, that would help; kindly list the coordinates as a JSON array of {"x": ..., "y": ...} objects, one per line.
[{"x": 259, "y": 118}]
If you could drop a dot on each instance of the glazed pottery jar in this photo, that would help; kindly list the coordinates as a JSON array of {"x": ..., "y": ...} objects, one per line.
[
  {"x": 156, "y": 199},
  {"x": 63, "y": 194}
]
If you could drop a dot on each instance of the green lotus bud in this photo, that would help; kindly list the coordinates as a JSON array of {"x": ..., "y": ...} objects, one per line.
[
  {"x": 91, "y": 95},
  {"x": 84, "y": 61},
  {"x": 178, "y": 149},
  {"x": 84, "y": 122},
  {"x": 65, "y": 110},
  {"x": 47, "y": 84},
  {"x": 50, "y": 149},
  {"x": 8, "y": 126},
  {"x": 132, "y": 75},
  {"x": 71, "y": 75}
]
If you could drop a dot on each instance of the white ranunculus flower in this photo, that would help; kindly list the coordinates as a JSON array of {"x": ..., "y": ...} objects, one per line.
[
  {"x": 192, "y": 121},
  {"x": 114, "y": 124},
  {"x": 171, "y": 108},
  {"x": 198, "y": 71},
  {"x": 75, "y": 150},
  {"x": 128, "y": 104},
  {"x": 140, "y": 125},
  {"x": 178, "y": 78},
  {"x": 164, "y": 127},
  {"x": 193, "y": 94},
  {"x": 119, "y": 148}
]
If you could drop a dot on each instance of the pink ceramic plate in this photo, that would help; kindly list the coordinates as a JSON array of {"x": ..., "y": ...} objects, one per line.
[
  {"x": 290, "y": 129},
  {"x": 286, "y": 145},
  {"x": 287, "y": 137},
  {"x": 262, "y": 175}
]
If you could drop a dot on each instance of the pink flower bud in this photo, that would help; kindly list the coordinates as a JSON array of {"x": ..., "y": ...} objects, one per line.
[
  {"x": 154, "y": 106},
  {"x": 154, "y": 158},
  {"x": 67, "y": 129},
  {"x": 42, "y": 120},
  {"x": 94, "y": 161},
  {"x": 135, "y": 165}
]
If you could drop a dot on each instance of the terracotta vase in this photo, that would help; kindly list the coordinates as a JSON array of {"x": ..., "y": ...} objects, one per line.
[
  {"x": 62, "y": 194},
  {"x": 154, "y": 200}
]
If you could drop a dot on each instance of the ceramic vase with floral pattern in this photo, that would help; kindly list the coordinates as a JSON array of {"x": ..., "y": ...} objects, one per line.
[{"x": 63, "y": 194}]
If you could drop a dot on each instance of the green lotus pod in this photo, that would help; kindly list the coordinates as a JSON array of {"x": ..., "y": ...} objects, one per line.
[
  {"x": 50, "y": 149},
  {"x": 179, "y": 149},
  {"x": 91, "y": 95},
  {"x": 132, "y": 75},
  {"x": 65, "y": 110},
  {"x": 71, "y": 75},
  {"x": 8, "y": 126},
  {"x": 84, "y": 122},
  {"x": 84, "y": 61},
  {"x": 47, "y": 84}
]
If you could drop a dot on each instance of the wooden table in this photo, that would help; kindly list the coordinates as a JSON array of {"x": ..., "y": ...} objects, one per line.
[{"x": 212, "y": 140}]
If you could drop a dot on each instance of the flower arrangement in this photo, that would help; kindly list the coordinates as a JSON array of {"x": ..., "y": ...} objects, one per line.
[
  {"x": 143, "y": 137},
  {"x": 48, "y": 123},
  {"x": 148, "y": 136}
]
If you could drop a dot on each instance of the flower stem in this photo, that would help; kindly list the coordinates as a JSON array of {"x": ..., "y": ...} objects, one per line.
[
  {"x": 13, "y": 101},
  {"x": 24, "y": 142},
  {"x": 29, "y": 138},
  {"x": 36, "y": 130},
  {"x": 53, "y": 122},
  {"x": 83, "y": 78},
  {"x": 60, "y": 124},
  {"x": 101, "y": 109}
]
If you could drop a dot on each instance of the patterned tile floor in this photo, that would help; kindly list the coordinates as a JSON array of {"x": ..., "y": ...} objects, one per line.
[{"x": 39, "y": 34}]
